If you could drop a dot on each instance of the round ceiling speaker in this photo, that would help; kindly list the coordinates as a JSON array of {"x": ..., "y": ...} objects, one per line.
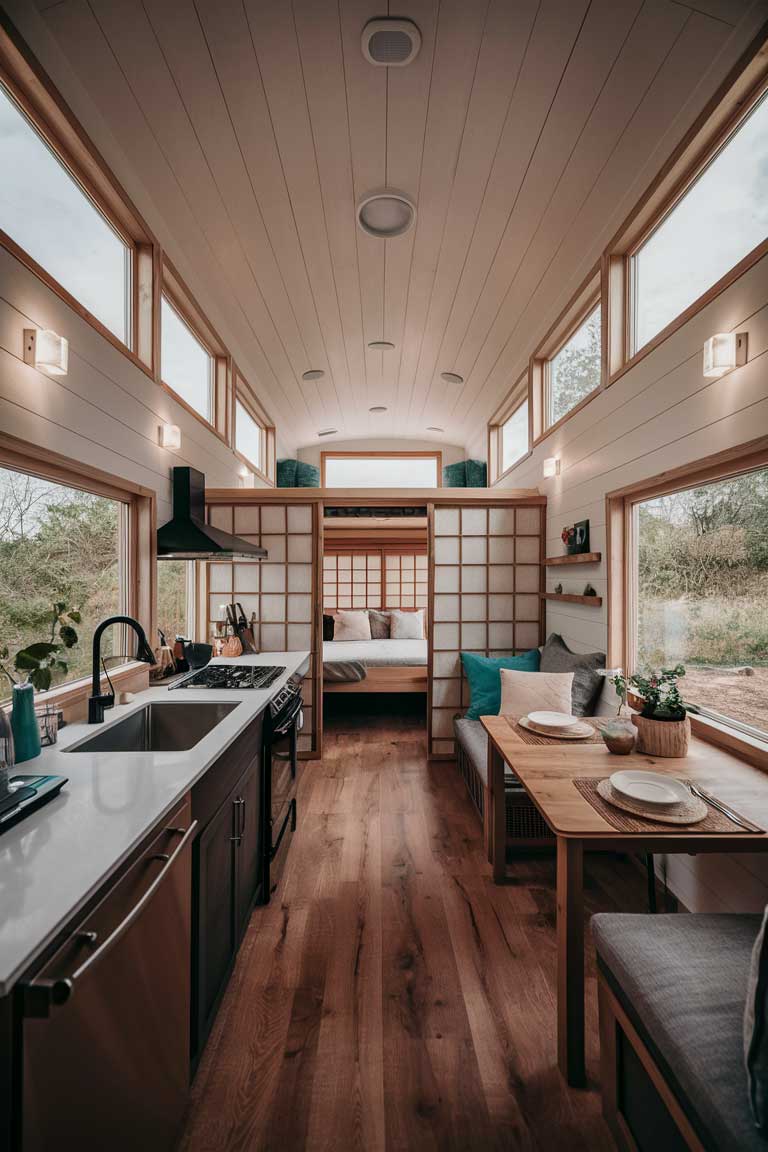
[
  {"x": 313, "y": 374},
  {"x": 451, "y": 377},
  {"x": 378, "y": 408},
  {"x": 381, "y": 345},
  {"x": 386, "y": 214},
  {"x": 390, "y": 43}
]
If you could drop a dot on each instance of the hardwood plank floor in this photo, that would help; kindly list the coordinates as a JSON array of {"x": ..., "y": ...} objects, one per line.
[{"x": 391, "y": 996}]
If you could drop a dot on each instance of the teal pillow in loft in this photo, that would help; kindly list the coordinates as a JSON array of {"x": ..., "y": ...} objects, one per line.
[
  {"x": 307, "y": 475},
  {"x": 455, "y": 475},
  {"x": 484, "y": 676},
  {"x": 477, "y": 473},
  {"x": 286, "y": 473}
]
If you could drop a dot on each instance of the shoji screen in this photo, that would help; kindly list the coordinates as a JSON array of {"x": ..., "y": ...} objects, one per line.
[
  {"x": 279, "y": 590},
  {"x": 406, "y": 579},
  {"x": 486, "y": 573},
  {"x": 351, "y": 580}
]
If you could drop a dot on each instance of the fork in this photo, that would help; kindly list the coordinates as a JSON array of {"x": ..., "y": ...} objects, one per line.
[{"x": 720, "y": 807}]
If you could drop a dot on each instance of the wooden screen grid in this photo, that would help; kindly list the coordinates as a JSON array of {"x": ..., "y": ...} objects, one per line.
[
  {"x": 486, "y": 599},
  {"x": 381, "y": 578},
  {"x": 277, "y": 591}
]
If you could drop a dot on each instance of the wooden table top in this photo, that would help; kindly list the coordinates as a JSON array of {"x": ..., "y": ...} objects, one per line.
[{"x": 547, "y": 772}]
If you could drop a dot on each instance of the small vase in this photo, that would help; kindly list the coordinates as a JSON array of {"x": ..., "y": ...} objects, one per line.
[
  {"x": 26, "y": 733},
  {"x": 662, "y": 737},
  {"x": 619, "y": 736}
]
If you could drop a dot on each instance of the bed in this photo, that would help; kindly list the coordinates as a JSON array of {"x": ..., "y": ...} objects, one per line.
[{"x": 375, "y": 666}]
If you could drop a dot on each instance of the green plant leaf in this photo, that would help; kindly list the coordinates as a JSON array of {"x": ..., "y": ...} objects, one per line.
[
  {"x": 41, "y": 678},
  {"x": 30, "y": 657},
  {"x": 68, "y": 635}
]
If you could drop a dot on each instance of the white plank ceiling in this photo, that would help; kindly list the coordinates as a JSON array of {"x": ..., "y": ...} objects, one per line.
[{"x": 524, "y": 130}]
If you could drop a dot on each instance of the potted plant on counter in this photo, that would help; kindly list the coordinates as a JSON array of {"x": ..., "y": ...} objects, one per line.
[
  {"x": 35, "y": 667},
  {"x": 663, "y": 727}
]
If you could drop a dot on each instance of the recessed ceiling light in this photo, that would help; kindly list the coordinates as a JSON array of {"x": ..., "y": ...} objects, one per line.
[
  {"x": 327, "y": 431},
  {"x": 434, "y": 428},
  {"x": 313, "y": 374},
  {"x": 381, "y": 345},
  {"x": 386, "y": 214},
  {"x": 378, "y": 408},
  {"x": 451, "y": 377}
]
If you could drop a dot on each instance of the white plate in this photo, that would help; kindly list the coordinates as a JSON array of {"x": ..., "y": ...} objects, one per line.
[
  {"x": 581, "y": 732},
  {"x": 650, "y": 788},
  {"x": 553, "y": 719}
]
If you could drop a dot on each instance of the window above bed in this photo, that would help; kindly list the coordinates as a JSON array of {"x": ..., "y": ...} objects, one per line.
[{"x": 380, "y": 469}]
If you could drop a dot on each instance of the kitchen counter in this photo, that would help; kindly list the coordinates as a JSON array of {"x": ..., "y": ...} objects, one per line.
[{"x": 55, "y": 859}]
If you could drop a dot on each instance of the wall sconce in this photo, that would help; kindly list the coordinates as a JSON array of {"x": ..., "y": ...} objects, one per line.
[
  {"x": 246, "y": 477},
  {"x": 170, "y": 437},
  {"x": 46, "y": 350},
  {"x": 723, "y": 352},
  {"x": 552, "y": 466}
]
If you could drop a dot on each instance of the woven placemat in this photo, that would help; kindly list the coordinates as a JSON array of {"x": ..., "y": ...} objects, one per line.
[
  {"x": 525, "y": 736},
  {"x": 622, "y": 821}
]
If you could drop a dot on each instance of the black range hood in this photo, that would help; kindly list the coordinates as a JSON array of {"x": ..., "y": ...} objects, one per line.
[{"x": 187, "y": 537}]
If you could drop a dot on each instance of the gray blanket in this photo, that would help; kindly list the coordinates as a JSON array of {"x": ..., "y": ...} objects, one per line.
[{"x": 344, "y": 671}]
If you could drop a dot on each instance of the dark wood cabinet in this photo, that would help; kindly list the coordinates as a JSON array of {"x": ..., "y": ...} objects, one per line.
[{"x": 226, "y": 870}]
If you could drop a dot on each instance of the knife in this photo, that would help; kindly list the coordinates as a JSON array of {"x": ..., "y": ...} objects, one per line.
[{"x": 720, "y": 807}]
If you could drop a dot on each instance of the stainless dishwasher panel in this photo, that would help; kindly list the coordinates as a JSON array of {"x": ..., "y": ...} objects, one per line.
[{"x": 106, "y": 1022}]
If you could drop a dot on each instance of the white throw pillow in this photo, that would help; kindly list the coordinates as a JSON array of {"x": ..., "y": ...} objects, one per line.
[
  {"x": 524, "y": 692},
  {"x": 351, "y": 626},
  {"x": 406, "y": 625}
]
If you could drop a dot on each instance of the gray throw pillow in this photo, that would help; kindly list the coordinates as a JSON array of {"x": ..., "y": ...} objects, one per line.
[
  {"x": 556, "y": 656},
  {"x": 380, "y": 624},
  {"x": 755, "y": 1031}
]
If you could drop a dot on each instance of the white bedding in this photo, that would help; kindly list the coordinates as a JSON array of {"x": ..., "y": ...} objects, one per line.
[{"x": 376, "y": 653}]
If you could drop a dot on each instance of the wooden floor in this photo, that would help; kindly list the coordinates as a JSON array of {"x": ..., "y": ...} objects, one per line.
[{"x": 391, "y": 996}]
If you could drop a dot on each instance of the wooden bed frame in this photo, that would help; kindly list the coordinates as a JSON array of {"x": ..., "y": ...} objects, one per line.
[{"x": 406, "y": 678}]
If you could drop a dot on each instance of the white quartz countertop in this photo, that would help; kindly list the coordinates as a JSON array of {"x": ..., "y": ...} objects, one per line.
[{"x": 54, "y": 860}]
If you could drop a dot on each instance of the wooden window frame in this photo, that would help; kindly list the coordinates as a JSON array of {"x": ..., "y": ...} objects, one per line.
[
  {"x": 41, "y": 103},
  {"x": 622, "y": 590},
  {"x": 519, "y": 393},
  {"x": 140, "y": 555},
  {"x": 585, "y": 299},
  {"x": 186, "y": 306},
  {"x": 244, "y": 394},
  {"x": 733, "y": 102},
  {"x": 436, "y": 455}
]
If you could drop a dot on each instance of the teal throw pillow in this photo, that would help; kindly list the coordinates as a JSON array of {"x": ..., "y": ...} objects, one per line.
[{"x": 484, "y": 676}]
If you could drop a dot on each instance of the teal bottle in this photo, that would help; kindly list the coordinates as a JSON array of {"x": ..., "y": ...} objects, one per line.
[{"x": 26, "y": 733}]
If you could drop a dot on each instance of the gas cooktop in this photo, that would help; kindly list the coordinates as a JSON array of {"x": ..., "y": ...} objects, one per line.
[{"x": 231, "y": 676}]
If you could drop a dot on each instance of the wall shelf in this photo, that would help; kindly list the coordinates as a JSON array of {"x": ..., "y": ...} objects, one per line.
[
  {"x": 579, "y": 558},
  {"x": 569, "y": 598}
]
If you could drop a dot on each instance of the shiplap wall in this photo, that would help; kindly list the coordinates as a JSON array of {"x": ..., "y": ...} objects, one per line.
[
  {"x": 661, "y": 414},
  {"x": 105, "y": 412}
]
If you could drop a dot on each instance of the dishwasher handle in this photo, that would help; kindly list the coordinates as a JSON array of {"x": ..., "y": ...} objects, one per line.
[{"x": 39, "y": 996}]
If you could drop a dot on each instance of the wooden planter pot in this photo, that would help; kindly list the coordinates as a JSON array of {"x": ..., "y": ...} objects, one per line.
[{"x": 662, "y": 737}]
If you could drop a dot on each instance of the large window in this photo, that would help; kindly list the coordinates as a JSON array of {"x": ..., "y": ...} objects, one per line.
[
  {"x": 186, "y": 365},
  {"x": 381, "y": 470},
  {"x": 249, "y": 437},
  {"x": 514, "y": 437},
  {"x": 574, "y": 371},
  {"x": 175, "y": 580},
  {"x": 58, "y": 545},
  {"x": 701, "y": 574},
  {"x": 47, "y": 213},
  {"x": 720, "y": 219}
]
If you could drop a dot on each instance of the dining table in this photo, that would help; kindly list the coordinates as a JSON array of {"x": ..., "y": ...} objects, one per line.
[{"x": 557, "y": 775}]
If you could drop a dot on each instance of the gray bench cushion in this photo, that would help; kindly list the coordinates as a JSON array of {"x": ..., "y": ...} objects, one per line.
[
  {"x": 682, "y": 979},
  {"x": 474, "y": 740}
]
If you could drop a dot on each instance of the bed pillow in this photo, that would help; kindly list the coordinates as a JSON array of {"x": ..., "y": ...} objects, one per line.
[
  {"x": 406, "y": 625},
  {"x": 482, "y": 673},
  {"x": 380, "y": 624},
  {"x": 755, "y": 1032},
  {"x": 556, "y": 656},
  {"x": 327, "y": 626},
  {"x": 524, "y": 692},
  {"x": 351, "y": 626}
]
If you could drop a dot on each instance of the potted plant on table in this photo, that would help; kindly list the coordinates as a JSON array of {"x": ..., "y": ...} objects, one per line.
[
  {"x": 663, "y": 727},
  {"x": 34, "y": 668}
]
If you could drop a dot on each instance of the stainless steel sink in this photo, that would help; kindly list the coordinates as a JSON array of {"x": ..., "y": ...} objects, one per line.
[{"x": 158, "y": 727}]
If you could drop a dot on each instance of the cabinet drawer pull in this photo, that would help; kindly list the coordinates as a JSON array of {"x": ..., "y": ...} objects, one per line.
[
  {"x": 41, "y": 995},
  {"x": 88, "y": 937},
  {"x": 175, "y": 831}
]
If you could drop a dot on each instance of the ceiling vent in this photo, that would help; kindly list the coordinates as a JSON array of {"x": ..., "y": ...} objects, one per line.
[{"x": 391, "y": 43}]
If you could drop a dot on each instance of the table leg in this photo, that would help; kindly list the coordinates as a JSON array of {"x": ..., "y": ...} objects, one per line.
[
  {"x": 498, "y": 820},
  {"x": 570, "y": 961}
]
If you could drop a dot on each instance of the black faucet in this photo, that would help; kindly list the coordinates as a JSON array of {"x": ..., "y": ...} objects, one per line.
[{"x": 99, "y": 701}]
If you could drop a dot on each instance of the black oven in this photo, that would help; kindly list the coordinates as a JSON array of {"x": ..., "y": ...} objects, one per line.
[{"x": 279, "y": 780}]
